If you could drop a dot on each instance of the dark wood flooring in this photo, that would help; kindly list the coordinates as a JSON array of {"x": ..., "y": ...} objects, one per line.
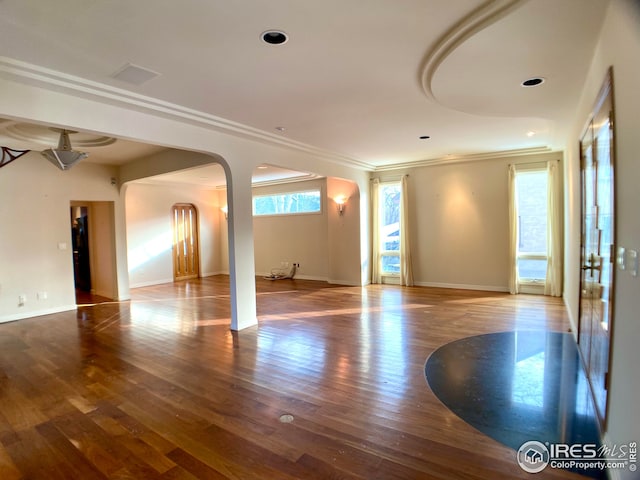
[{"x": 159, "y": 387}]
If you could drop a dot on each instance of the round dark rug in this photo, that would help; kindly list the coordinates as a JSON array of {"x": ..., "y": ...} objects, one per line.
[{"x": 517, "y": 387}]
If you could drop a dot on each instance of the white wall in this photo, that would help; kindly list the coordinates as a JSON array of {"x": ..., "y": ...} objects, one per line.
[
  {"x": 344, "y": 233},
  {"x": 34, "y": 214},
  {"x": 293, "y": 238},
  {"x": 619, "y": 46},
  {"x": 460, "y": 222},
  {"x": 149, "y": 231},
  {"x": 326, "y": 244}
]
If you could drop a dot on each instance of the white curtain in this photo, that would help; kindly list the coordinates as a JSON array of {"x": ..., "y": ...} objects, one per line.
[
  {"x": 375, "y": 241},
  {"x": 406, "y": 270},
  {"x": 553, "y": 282},
  {"x": 513, "y": 232}
]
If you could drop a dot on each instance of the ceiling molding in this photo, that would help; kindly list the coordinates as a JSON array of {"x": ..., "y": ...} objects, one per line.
[
  {"x": 479, "y": 19},
  {"x": 266, "y": 183},
  {"x": 280, "y": 181},
  {"x": 51, "y": 79},
  {"x": 452, "y": 159},
  {"x": 29, "y": 132}
]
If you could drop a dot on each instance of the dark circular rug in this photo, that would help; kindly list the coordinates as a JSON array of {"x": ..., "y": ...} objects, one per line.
[{"x": 517, "y": 387}]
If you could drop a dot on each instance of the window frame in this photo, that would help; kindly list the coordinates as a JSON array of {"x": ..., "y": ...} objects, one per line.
[
  {"x": 526, "y": 281},
  {"x": 387, "y": 253}
]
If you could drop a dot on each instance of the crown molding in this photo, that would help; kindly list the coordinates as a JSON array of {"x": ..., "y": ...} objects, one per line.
[
  {"x": 452, "y": 159},
  {"x": 50, "y": 79},
  {"x": 281, "y": 181}
]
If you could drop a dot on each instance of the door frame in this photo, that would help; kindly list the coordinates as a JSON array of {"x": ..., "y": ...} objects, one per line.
[
  {"x": 196, "y": 250},
  {"x": 605, "y": 95}
]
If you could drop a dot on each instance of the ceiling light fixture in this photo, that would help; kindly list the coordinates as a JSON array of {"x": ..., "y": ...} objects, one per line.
[
  {"x": 531, "y": 133},
  {"x": 274, "y": 37},
  {"x": 280, "y": 129},
  {"x": 424, "y": 137},
  {"x": 64, "y": 157},
  {"x": 533, "y": 82}
]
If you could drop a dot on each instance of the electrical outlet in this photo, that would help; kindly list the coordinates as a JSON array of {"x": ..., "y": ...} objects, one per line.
[{"x": 22, "y": 299}]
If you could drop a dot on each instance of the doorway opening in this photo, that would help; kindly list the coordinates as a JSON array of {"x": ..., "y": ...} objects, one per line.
[
  {"x": 93, "y": 250},
  {"x": 80, "y": 248}
]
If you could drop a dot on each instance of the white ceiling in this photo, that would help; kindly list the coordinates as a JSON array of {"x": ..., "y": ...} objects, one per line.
[{"x": 360, "y": 78}]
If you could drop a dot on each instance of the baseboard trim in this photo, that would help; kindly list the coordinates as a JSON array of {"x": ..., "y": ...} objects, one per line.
[
  {"x": 213, "y": 274},
  {"x": 37, "y": 313},
  {"x": 346, "y": 283},
  {"x": 572, "y": 320},
  {"x": 463, "y": 286},
  {"x": 151, "y": 283}
]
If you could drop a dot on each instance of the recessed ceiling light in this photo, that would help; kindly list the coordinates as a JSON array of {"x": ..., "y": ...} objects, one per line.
[
  {"x": 424, "y": 137},
  {"x": 274, "y": 37},
  {"x": 530, "y": 133},
  {"x": 262, "y": 167},
  {"x": 533, "y": 82}
]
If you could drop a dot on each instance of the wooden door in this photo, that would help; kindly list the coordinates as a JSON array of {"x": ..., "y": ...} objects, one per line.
[
  {"x": 185, "y": 242},
  {"x": 597, "y": 252}
]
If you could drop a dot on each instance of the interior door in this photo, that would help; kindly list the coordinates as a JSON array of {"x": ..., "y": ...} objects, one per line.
[
  {"x": 597, "y": 247},
  {"x": 185, "y": 242}
]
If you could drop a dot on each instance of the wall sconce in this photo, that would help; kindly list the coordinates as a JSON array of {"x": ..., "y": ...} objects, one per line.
[
  {"x": 225, "y": 210},
  {"x": 341, "y": 201}
]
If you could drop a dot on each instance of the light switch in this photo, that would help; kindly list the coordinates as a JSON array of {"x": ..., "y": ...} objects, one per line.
[
  {"x": 632, "y": 262},
  {"x": 621, "y": 258}
]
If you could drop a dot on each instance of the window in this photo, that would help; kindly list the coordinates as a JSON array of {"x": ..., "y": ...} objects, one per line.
[
  {"x": 389, "y": 228},
  {"x": 287, "y": 203},
  {"x": 531, "y": 195}
]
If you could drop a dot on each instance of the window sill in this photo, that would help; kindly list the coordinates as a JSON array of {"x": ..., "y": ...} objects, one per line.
[
  {"x": 532, "y": 288},
  {"x": 391, "y": 278}
]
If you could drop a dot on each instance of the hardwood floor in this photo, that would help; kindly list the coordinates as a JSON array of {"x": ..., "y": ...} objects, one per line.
[{"x": 159, "y": 387}]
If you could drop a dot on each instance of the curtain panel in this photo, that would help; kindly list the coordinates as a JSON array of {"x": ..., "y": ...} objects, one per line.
[
  {"x": 513, "y": 232},
  {"x": 375, "y": 228},
  {"x": 406, "y": 269},
  {"x": 553, "y": 282}
]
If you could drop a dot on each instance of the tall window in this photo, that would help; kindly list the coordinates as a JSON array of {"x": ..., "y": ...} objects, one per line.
[
  {"x": 531, "y": 195},
  {"x": 389, "y": 228}
]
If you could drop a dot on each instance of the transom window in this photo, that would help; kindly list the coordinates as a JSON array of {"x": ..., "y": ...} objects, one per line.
[{"x": 289, "y": 203}]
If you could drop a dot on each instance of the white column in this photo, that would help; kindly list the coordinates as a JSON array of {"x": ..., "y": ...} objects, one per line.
[{"x": 241, "y": 255}]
